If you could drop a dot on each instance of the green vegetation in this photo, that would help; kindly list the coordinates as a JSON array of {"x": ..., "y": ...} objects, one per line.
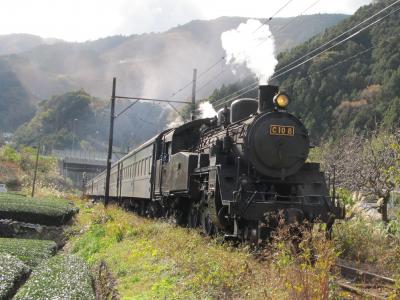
[
  {"x": 351, "y": 96},
  {"x": 155, "y": 260},
  {"x": 31, "y": 252},
  {"x": 45, "y": 211},
  {"x": 79, "y": 121},
  {"x": 54, "y": 125},
  {"x": 60, "y": 277},
  {"x": 366, "y": 241},
  {"x": 12, "y": 273},
  {"x": 17, "y": 168},
  {"x": 16, "y": 105}
]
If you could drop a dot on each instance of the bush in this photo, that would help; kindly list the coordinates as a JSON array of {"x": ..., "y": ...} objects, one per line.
[
  {"x": 31, "y": 252},
  {"x": 12, "y": 273},
  {"x": 7, "y": 153},
  {"x": 369, "y": 242},
  {"x": 61, "y": 277},
  {"x": 45, "y": 211}
]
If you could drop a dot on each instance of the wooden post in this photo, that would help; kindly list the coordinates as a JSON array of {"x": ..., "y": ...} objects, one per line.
[{"x": 35, "y": 172}]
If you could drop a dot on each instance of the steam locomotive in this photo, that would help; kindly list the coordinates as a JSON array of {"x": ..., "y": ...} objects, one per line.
[{"x": 240, "y": 173}]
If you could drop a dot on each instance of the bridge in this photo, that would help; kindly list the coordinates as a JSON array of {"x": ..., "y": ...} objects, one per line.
[{"x": 73, "y": 164}]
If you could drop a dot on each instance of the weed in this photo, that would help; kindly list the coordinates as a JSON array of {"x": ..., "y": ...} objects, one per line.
[
  {"x": 368, "y": 242},
  {"x": 156, "y": 260}
]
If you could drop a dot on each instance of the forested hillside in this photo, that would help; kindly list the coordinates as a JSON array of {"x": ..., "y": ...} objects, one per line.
[
  {"x": 149, "y": 65},
  {"x": 79, "y": 121},
  {"x": 16, "y": 105},
  {"x": 353, "y": 86}
]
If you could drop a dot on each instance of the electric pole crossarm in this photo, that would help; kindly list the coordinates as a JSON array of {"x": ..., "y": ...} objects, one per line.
[{"x": 153, "y": 99}]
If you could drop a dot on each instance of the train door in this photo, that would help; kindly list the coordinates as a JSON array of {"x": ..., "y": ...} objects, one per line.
[{"x": 165, "y": 157}]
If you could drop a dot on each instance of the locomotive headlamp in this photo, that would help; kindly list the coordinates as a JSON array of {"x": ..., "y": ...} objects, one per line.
[{"x": 281, "y": 100}]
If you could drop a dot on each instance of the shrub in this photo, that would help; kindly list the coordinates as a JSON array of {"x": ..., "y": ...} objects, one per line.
[
  {"x": 302, "y": 268},
  {"x": 46, "y": 211},
  {"x": 367, "y": 242},
  {"x": 31, "y": 252},
  {"x": 60, "y": 277},
  {"x": 12, "y": 273},
  {"x": 7, "y": 153}
]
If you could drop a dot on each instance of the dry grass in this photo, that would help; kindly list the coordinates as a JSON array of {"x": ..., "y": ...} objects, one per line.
[
  {"x": 156, "y": 260},
  {"x": 368, "y": 243}
]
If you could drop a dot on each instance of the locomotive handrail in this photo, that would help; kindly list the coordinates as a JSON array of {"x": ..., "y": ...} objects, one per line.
[{"x": 279, "y": 198}]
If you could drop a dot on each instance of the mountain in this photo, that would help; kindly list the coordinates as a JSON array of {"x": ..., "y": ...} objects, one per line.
[
  {"x": 16, "y": 105},
  {"x": 76, "y": 120},
  {"x": 21, "y": 42},
  {"x": 352, "y": 87},
  {"x": 152, "y": 65}
]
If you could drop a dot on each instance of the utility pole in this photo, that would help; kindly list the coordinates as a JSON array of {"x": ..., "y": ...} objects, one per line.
[
  {"x": 110, "y": 144},
  {"x": 35, "y": 172},
  {"x": 194, "y": 94},
  {"x": 113, "y": 116}
]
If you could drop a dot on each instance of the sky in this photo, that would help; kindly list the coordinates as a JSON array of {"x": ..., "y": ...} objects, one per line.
[{"x": 81, "y": 20}]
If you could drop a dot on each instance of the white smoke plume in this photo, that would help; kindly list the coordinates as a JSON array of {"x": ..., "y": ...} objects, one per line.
[
  {"x": 207, "y": 110},
  {"x": 253, "y": 45}
]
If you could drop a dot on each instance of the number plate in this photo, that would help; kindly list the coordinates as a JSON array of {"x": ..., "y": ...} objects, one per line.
[{"x": 281, "y": 130}]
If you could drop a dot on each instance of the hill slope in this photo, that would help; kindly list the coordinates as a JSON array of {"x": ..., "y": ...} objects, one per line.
[
  {"x": 77, "y": 120},
  {"x": 354, "y": 86},
  {"x": 152, "y": 65}
]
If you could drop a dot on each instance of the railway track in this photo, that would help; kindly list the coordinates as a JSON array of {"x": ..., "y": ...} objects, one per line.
[{"x": 365, "y": 284}]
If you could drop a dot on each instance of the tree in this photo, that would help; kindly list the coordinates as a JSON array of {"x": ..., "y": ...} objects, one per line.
[{"x": 366, "y": 164}]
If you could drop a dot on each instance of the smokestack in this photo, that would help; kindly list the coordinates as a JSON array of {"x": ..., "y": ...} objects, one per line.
[{"x": 266, "y": 95}]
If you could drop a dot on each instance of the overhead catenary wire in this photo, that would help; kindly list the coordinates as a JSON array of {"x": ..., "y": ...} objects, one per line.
[
  {"x": 270, "y": 36},
  {"x": 223, "y": 57},
  {"x": 273, "y": 16},
  {"x": 340, "y": 35},
  {"x": 250, "y": 86},
  {"x": 290, "y": 22},
  {"x": 255, "y": 85}
]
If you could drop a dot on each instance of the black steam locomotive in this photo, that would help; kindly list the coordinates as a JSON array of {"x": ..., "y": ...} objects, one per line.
[{"x": 240, "y": 173}]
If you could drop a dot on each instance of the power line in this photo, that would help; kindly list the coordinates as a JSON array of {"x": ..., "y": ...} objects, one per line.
[
  {"x": 250, "y": 87},
  {"x": 223, "y": 57},
  {"x": 210, "y": 81},
  {"x": 270, "y": 36},
  {"x": 337, "y": 44},
  {"x": 340, "y": 35},
  {"x": 291, "y": 21},
  {"x": 323, "y": 70},
  {"x": 273, "y": 16}
]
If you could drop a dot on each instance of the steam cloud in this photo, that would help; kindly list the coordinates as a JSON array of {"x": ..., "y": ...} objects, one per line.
[
  {"x": 253, "y": 46},
  {"x": 207, "y": 110}
]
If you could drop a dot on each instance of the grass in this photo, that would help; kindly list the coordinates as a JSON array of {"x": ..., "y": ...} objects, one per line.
[
  {"x": 60, "y": 277},
  {"x": 370, "y": 243},
  {"x": 45, "y": 211},
  {"x": 31, "y": 252},
  {"x": 156, "y": 260},
  {"x": 12, "y": 273}
]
